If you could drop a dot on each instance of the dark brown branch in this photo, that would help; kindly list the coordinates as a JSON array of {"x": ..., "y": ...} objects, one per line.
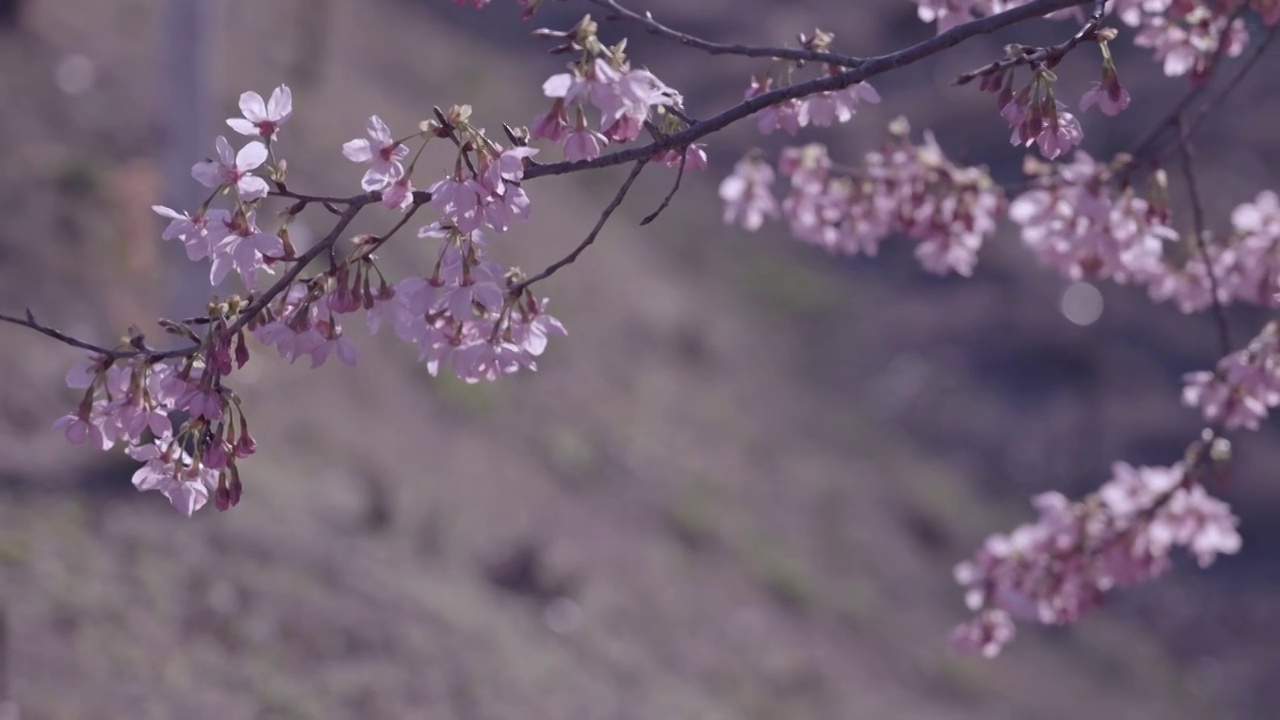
[
  {"x": 281, "y": 190},
  {"x": 519, "y": 287},
  {"x": 30, "y": 322},
  {"x": 354, "y": 205},
  {"x": 675, "y": 187},
  {"x": 1047, "y": 56},
  {"x": 869, "y": 68},
  {"x": 714, "y": 48}
]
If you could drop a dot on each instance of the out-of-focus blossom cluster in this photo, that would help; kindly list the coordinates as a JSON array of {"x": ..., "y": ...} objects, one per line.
[
  {"x": 1243, "y": 388},
  {"x": 1245, "y": 266},
  {"x": 903, "y": 188},
  {"x": 1061, "y": 566},
  {"x": 1183, "y": 34},
  {"x": 1075, "y": 222}
]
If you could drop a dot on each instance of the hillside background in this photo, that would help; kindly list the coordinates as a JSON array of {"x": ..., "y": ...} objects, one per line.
[{"x": 735, "y": 491}]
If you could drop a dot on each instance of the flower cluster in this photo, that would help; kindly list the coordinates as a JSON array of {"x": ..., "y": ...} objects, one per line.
[
  {"x": 1244, "y": 387},
  {"x": 1060, "y": 567},
  {"x": 1075, "y": 222},
  {"x": 903, "y": 188},
  {"x": 1183, "y": 34},
  {"x": 467, "y": 315},
  {"x": 624, "y": 98},
  {"x": 822, "y": 109},
  {"x": 131, "y": 403}
]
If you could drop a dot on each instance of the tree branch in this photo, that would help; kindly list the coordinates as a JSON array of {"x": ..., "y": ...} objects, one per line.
[
  {"x": 713, "y": 48},
  {"x": 519, "y": 287},
  {"x": 30, "y": 322},
  {"x": 869, "y": 68},
  {"x": 1048, "y": 56}
]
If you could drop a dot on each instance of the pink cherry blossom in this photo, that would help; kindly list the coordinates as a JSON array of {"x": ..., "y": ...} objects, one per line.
[
  {"x": 263, "y": 118},
  {"x": 241, "y": 246},
  {"x": 232, "y": 168},
  {"x": 381, "y": 151},
  {"x": 1108, "y": 94}
]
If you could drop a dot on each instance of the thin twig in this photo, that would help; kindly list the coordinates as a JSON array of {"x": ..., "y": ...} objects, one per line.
[
  {"x": 281, "y": 190},
  {"x": 1197, "y": 219},
  {"x": 517, "y": 288},
  {"x": 684, "y": 156},
  {"x": 869, "y": 68},
  {"x": 714, "y": 48},
  {"x": 1048, "y": 56},
  {"x": 30, "y": 322},
  {"x": 420, "y": 198}
]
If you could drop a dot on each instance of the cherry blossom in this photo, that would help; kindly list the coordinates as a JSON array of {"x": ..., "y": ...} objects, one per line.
[
  {"x": 233, "y": 168},
  {"x": 263, "y": 118},
  {"x": 381, "y": 151}
]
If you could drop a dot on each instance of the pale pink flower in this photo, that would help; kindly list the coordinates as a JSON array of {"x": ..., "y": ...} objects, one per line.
[
  {"x": 583, "y": 144},
  {"x": 263, "y": 118},
  {"x": 78, "y": 430},
  {"x": 400, "y": 195},
  {"x": 243, "y": 247},
  {"x": 171, "y": 473},
  {"x": 381, "y": 151},
  {"x": 233, "y": 168},
  {"x": 694, "y": 155},
  {"x": 1108, "y": 94},
  {"x": 839, "y": 106}
]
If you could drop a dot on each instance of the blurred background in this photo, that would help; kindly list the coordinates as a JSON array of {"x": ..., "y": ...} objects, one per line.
[{"x": 735, "y": 491}]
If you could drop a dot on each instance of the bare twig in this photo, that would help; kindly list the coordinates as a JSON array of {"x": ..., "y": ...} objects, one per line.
[
  {"x": 420, "y": 198},
  {"x": 675, "y": 187},
  {"x": 714, "y": 48},
  {"x": 281, "y": 190},
  {"x": 869, "y": 68},
  {"x": 517, "y": 288},
  {"x": 1197, "y": 219},
  {"x": 1047, "y": 56},
  {"x": 354, "y": 205},
  {"x": 30, "y": 322}
]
